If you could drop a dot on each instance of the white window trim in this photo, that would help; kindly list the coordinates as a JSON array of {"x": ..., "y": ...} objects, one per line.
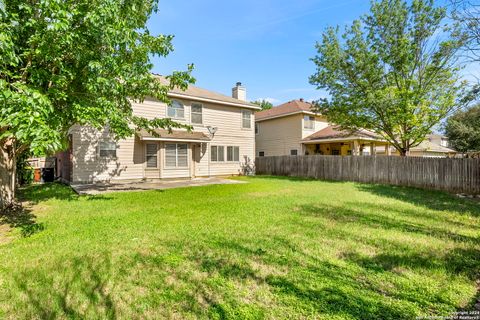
[
  {"x": 304, "y": 122},
  {"x": 175, "y": 117},
  {"x": 191, "y": 113},
  {"x": 146, "y": 157},
  {"x": 294, "y": 150},
  {"x": 176, "y": 157},
  {"x": 233, "y": 155},
  {"x": 250, "y": 113},
  {"x": 224, "y": 153},
  {"x": 257, "y": 128},
  {"x": 99, "y": 149}
]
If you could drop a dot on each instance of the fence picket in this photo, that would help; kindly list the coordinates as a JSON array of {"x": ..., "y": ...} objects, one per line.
[{"x": 453, "y": 175}]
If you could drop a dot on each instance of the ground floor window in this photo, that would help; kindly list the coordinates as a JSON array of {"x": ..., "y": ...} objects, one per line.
[
  {"x": 294, "y": 152},
  {"x": 217, "y": 153},
  {"x": 108, "y": 149},
  {"x": 152, "y": 155},
  {"x": 176, "y": 155},
  {"x": 261, "y": 153},
  {"x": 233, "y": 153}
]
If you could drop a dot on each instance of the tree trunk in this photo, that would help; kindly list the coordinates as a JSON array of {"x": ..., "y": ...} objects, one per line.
[
  {"x": 8, "y": 170},
  {"x": 403, "y": 152}
]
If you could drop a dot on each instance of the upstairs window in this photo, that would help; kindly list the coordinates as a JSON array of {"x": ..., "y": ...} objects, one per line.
[
  {"x": 294, "y": 152},
  {"x": 309, "y": 122},
  {"x": 176, "y": 110},
  {"x": 261, "y": 153},
  {"x": 257, "y": 128},
  {"x": 108, "y": 149},
  {"x": 197, "y": 113},
  {"x": 246, "y": 119}
]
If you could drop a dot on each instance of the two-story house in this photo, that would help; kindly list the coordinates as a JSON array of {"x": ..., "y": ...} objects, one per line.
[
  {"x": 222, "y": 141},
  {"x": 293, "y": 128}
]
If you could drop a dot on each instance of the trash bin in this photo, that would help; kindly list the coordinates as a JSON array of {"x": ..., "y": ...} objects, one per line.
[{"x": 48, "y": 174}]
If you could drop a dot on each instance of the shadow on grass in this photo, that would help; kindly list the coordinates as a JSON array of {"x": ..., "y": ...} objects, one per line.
[
  {"x": 37, "y": 193},
  {"x": 434, "y": 200},
  {"x": 371, "y": 216},
  {"x": 21, "y": 218},
  {"x": 431, "y": 199},
  {"x": 82, "y": 292}
]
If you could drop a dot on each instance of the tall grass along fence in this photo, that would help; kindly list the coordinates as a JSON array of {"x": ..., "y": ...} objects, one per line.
[{"x": 452, "y": 175}]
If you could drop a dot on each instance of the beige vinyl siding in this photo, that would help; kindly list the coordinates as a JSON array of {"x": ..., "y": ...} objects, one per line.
[
  {"x": 88, "y": 166},
  {"x": 131, "y": 153},
  {"x": 320, "y": 123},
  {"x": 278, "y": 136}
]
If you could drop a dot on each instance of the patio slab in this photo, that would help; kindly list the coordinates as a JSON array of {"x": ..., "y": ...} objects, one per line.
[{"x": 101, "y": 188}]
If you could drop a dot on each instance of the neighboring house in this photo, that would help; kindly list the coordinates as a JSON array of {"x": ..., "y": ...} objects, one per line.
[
  {"x": 434, "y": 146},
  {"x": 294, "y": 129},
  {"x": 222, "y": 141}
]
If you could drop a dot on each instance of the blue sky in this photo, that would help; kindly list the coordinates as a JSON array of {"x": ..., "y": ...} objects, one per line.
[{"x": 265, "y": 44}]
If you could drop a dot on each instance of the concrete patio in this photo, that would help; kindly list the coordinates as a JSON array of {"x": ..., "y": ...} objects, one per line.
[{"x": 100, "y": 188}]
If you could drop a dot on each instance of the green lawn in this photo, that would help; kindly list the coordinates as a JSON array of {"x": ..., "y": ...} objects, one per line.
[{"x": 272, "y": 248}]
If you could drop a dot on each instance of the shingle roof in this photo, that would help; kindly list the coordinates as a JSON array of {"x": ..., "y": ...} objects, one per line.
[
  {"x": 332, "y": 132},
  {"x": 174, "y": 135},
  {"x": 285, "y": 109},
  {"x": 196, "y": 92},
  {"x": 429, "y": 146}
]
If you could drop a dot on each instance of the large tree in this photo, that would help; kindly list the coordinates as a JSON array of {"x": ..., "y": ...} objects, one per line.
[
  {"x": 264, "y": 104},
  {"x": 467, "y": 14},
  {"x": 394, "y": 71},
  {"x": 66, "y": 62},
  {"x": 463, "y": 130}
]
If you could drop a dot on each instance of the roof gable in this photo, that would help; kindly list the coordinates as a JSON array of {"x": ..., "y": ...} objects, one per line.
[
  {"x": 291, "y": 107},
  {"x": 200, "y": 94}
]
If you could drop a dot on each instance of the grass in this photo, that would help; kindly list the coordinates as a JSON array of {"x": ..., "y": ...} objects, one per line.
[{"x": 272, "y": 248}]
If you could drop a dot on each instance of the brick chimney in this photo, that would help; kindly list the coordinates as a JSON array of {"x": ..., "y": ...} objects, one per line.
[{"x": 239, "y": 92}]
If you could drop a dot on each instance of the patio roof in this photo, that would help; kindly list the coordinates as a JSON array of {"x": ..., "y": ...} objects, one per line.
[
  {"x": 174, "y": 135},
  {"x": 332, "y": 133}
]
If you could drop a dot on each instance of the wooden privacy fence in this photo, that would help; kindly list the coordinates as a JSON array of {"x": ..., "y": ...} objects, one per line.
[{"x": 452, "y": 175}]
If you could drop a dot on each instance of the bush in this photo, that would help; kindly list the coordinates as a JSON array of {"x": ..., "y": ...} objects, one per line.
[
  {"x": 25, "y": 172},
  {"x": 26, "y": 175}
]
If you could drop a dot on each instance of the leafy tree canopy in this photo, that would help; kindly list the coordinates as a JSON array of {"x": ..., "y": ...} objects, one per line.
[
  {"x": 394, "y": 71},
  {"x": 77, "y": 62},
  {"x": 463, "y": 129},
  {"x": 67, "y": 62},
  {"x": 264, "y": 104}
]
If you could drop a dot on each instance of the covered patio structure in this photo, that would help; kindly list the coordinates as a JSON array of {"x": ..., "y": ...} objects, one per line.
[{"x": 333, "y": 141}]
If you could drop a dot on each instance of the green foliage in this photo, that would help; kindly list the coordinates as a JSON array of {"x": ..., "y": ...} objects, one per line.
[
  {"x": 393, "y": 71},
  {"x": 77, "y": 62},
  {"x": 264, "y": 104},
  {"x": 463, "y": 130},
  {"x": 272, "y": 248},
  {"x": 24, "y": 170}
]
